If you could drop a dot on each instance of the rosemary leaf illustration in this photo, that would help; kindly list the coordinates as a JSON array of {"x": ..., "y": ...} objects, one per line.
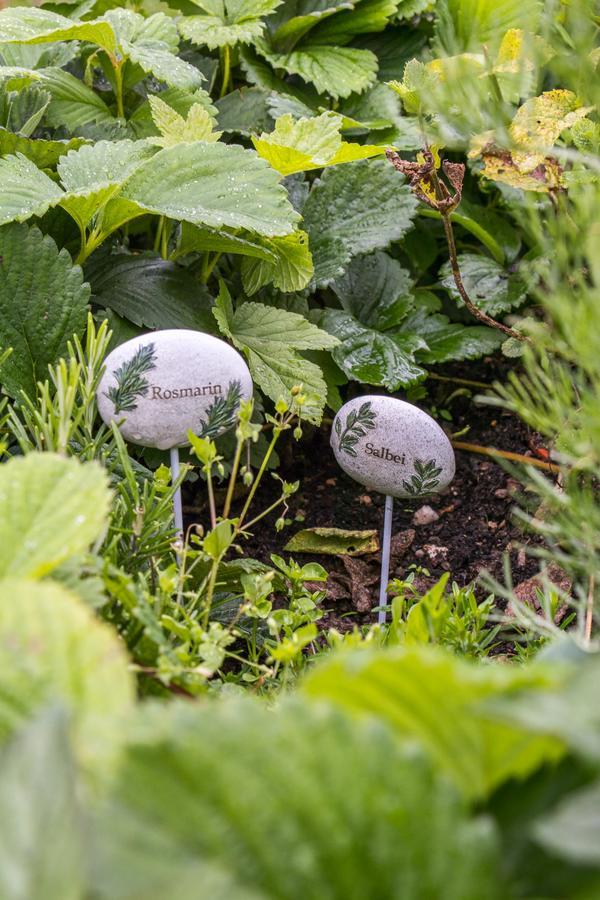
[
  {"x": 131, "y": 382},
  {"x": 222, "y": 412},
  {"x": 358, "y": 422},
  {"x": 425, "y": 480}
]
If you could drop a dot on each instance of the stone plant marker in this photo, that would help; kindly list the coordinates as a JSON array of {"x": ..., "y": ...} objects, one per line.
[
  {"x": 393, "y": 448},
  {"x": 161, "y": 385}
]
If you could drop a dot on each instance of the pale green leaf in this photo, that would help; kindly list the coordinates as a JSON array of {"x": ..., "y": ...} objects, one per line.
[
  {"x": 53, "y": 509},
  {"x": 25, "y": 190},
  {"x": 446, "y": 705},
  {"x": 208, "y": 31},
  {"x": 174, "y": 129},
  {"x": 289, "y": 268},
  {"x": 214, "y": 185},
  {"x": 488, "y": 284},
  {"x": 164, "y": 65},
  {"x": 333, "y": 542},
  {"x": 572, "y": 830},
  {"x": 469, "y": 24},
  {"x": 53, "y": 648},
  {"x": 355, "y": 209},
  {"x": 43, "y": 302},
  {"x": 37, "y": 26}
]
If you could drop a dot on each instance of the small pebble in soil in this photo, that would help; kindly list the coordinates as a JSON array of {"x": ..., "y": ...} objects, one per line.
[
  {"x": 161, "y": 385},
  {"x": 392, "y": 447},
  {"x": 425, "y": 515}
]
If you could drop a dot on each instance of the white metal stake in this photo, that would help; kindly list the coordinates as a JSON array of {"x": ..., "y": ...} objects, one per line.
[
  {"x": 177, "y": 507},
  {"x": 385, "y": 558}
]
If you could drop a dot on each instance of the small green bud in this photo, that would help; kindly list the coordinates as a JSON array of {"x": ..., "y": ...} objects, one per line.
[
  {"x": 281, "y": 406},
  {"x": 297, "y": 432},
  {"x": 247, "y": 477},
  {"x": 280, "y": 524}
]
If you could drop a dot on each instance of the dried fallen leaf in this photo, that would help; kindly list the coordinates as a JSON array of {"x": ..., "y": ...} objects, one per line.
[{"x": 334, "y": 542}]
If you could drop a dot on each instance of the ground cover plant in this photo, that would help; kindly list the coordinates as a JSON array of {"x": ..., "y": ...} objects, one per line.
[{"x": 363, "y": 196}]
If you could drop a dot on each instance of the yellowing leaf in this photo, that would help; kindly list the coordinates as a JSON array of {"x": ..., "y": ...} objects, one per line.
[
  {"x": 174, "y": 129},
  {"x": 309, "y": 143},
  {"x": 539, "y": 123}
]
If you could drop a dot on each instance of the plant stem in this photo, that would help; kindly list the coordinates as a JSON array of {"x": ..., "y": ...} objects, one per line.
[
  {"x": 210, "y": 590},
  {"x": 589, "y": 612},
  {"x": 474, "y": 310},
  {"x": 164, "y": 246},
  {"x": 118, "y": 69},
  {"x": 158, "y": 235},
  {"x": 211, "y": 499},
  {"x": 234, "y": 470},
  {"x": 456, "y": 380},
  {"x": 506, "y": 454},
  {"x": 257, "y": 480},
  {"x": 226, "y": 66}
]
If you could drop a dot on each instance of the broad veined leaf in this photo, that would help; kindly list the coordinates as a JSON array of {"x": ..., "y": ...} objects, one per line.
[
  {"x": 488, "y": 284},
  {"x": 374, "y": 836},
  {"x": 338, "y": 71},
  {"x": 149, "y": 291},
  {"x": 215, "y": 185},
  {"x": 53, "y": 648},
  {"x": 446, "y": 704},
  {"x": 53, "y": 509},
  {"x": 289, "y": 269},
  {"x": 25, "y": 190},
  {"x": 270, "y": 339},
  {"x": 376, "y": 290},
  {"x": 227, "y": 22},
  {"x": 304, "y": 144},
  {"x": 296, "y": 18},
  {"x": 447, "y": 341},
  {"x": 43, "y": 302},
  {"x": 73, "y": 104},
  {"x": 38, "y": 790},
  {"x": 44, "y": 154},
  {"x": 370, "y": 356},
  {"x": 24, "y": 25},
  {"x": 355, "y": 209},
  {"x": 174, "y": 129}
]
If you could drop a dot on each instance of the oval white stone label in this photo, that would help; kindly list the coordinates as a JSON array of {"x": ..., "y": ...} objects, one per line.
[
  {"x": 161, "y": 385},
  {"x": 392, "y": 447}
]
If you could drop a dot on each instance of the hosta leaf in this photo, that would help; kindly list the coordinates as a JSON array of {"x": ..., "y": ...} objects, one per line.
[
  {"x": 24, "y": 25},
  {"x": 38, "y": 775},
  {"x": 270, "y": 338},
  {"x": 339, "y": 71},
  {"x": 467, "y": 740},
  {"x": 174, "y": 129},
  {"x": 177, "y": 801},
  {"x": 24, "y": 190},
  {"x": 43, "y": 302},
  {"x": 355, "y": 209},
  {"x": 53, "y": 509},
  {"x": 376, "y": 290},
  {"x": 304, "y": 144},
  {"x": 44, "y": 154},
  {"x": 370, "y": 356},
  {"x": 53, "y": 648},
  {"x": 489, "y": 285},
  {"x": 73, "y": 104},
  {"x": 215, "y": 185},
  {"x": 289, "y": 269},
  {"x": 149, "y": 291}
]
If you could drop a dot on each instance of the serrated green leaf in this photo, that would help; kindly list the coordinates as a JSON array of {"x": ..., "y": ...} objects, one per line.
[
  {"x": 448, "y": 341},
  {"x": 37, "y": 26},
  {"x": 376, "y": 290},
  {"x": 489, "y": 285},
  {"x": 338, "y": 71},
  {"x": 73, "y": 104},
  {"x": 372, "y": 357},
  {"x": 355, "y": 209},
  {"x": 289, "y": 269},
  {"x": 53, "y": 648},
  {"x": 174, "y": 129},
  {"x": 43, "y": 302},
  {"x": 24, "y": 190},
  {"x": 141, "y": 124},
  {"x": 476, "y": 749},
  {"x": 44, "y": 154},
  {"x": 227, "y": 23},
  {"x": 214, "y": 185},
  {"x": 309, "y": 143},
  {"x": 149, "y": 291},
  {"x": 53, "y": 509}
]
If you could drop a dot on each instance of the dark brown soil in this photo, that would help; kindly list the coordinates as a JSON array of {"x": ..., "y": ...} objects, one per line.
[{"x": 476, "y": 527}]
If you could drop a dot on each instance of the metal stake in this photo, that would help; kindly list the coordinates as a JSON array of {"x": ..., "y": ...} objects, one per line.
[
  {"x": 177, "y": 507},
  {"x": 385, "y": 558}
]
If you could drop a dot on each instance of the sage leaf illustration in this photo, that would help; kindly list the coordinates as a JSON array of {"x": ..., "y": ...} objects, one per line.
[
  {"x": 425, "y": 478},
  {"x": 358, "y": 423}
]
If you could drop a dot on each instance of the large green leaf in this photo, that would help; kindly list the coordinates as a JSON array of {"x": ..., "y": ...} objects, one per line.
[
  {"x": 40, "y": 821},
  {"x": 44, "y": 154},
  {"x": 329, "y": 808},
  {"x": 215, "y": 185},
  {"x": 52, "y": 648},
  {"x": 270, "y": 339},
  {"x": 355, "y": 209},
  {"x": 338, "y": 71},
  {"x": 25, "y": 190},
  {"x": 376, "y": 290},
  {"x": 289, "y": 269},
  {"x": 448, "y": 341},
  {"x": 366, "y": 17},
  {"x": 227, "y": 22},
  {"x": 53, "y": 508},
  {"x": 245, "y": 111},
  {"x": 370, "y": 356},
  {"x": 28, "y": 25},
  {"x": 446, "y": 705},
  {"x": 43, "y": 302},
  {"x": 149, "y": 291},
  {"x": 73, "y": 105},
  {"x": 488, "y": 284}
]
